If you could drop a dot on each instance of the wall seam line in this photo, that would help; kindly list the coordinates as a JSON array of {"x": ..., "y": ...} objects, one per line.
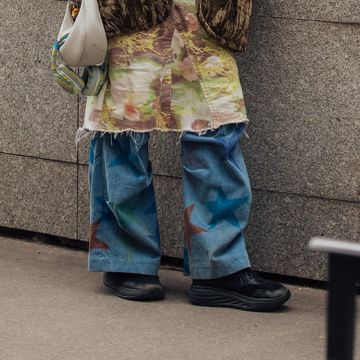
[
  {"x": 357, "y": 202},
  {"x": 348, "y": 23}
]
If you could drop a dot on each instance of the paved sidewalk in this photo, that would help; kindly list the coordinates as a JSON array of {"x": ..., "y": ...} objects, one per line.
[{"x": 52, "y": 308}]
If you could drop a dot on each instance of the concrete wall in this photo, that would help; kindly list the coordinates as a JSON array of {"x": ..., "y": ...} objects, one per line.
[{"x": 301, "y": 81}]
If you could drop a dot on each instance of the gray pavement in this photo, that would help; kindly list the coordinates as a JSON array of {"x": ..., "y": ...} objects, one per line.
[{"x": 52, "y": 308}]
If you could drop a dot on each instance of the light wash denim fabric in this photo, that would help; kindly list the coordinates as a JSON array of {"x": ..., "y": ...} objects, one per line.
[{"x": 124, "y": 229}]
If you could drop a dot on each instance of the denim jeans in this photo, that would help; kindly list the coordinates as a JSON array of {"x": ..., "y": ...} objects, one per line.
[{"x": 124, "y": 228}]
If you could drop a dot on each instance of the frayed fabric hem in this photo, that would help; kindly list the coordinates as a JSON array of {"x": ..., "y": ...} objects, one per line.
[
  {"x": 84, "y": 133},
  {"x": 137, "y": 135}
]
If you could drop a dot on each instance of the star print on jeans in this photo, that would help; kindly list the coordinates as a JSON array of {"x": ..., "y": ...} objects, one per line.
[
  {"x": 94, "y": 242},
  {"x": 119, "y": 160},
  {"x": 222, "y": 209},
  {"x": 230, "y": 143},
  {"x": 151, "y": 210},
  {"x": 190, "y": 229},
  {"x": 125, "y": 213},
  {"x": 105, "y": 213},
  {"x": 128, "y": 218}
]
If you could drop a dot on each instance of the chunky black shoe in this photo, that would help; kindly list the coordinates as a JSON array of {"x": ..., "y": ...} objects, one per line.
[
  {"x": 134, "y": 286},
  {"x": 244, "y": 290}
]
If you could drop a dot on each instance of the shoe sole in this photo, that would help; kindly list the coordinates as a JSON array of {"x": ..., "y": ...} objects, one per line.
[
  {"x": 207, "y": 296},
  {"x": 151, "y": 293}
]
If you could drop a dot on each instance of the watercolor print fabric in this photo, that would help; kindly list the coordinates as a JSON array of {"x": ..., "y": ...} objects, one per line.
[{"x": 171, "y": 78}]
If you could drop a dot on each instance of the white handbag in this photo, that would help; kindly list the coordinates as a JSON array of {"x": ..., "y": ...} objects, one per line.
[{"x": 83, "y": 42}]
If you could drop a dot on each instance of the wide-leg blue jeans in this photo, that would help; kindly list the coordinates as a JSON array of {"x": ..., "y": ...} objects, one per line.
[{"x": 124, "y": 229}]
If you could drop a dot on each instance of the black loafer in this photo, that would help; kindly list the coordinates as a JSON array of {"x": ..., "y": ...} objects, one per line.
[
  {"x": 244, "y": 290},
  {"x": 134, "y": 286}
]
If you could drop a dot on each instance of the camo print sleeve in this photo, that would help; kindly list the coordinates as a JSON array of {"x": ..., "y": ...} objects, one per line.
[
  {"x": 128, "y": 16},
  {"x": 226, "y": 21}
]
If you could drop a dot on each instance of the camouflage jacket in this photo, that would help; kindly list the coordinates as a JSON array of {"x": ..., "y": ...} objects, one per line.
[{"x": 226, "y": 21}]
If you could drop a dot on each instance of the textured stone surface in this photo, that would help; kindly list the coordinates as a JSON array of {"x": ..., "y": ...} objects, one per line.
[
  {"x": 165, "y": 152},
  {"x": 282, "y": 225},
  {"x": 321, "y": 10},
  {"x": 301, "y": 85},
  {"x": 308, "y": 68},
  {"x": 37, "y": 117},
  {"x": 83, "y": 204},
  {"x": 84, "y": 151},
  {"x": 38, "y": 195},
  {"x": 170, "y": 213}
]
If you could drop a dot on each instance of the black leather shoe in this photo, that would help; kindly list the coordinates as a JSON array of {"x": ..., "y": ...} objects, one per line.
[
  {"x": 244, "y": 290},
  {"x": 134, "y": 286}
]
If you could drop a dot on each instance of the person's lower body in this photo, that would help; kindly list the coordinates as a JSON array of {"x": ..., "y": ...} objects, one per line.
[{"x": 124, "y": 229}]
